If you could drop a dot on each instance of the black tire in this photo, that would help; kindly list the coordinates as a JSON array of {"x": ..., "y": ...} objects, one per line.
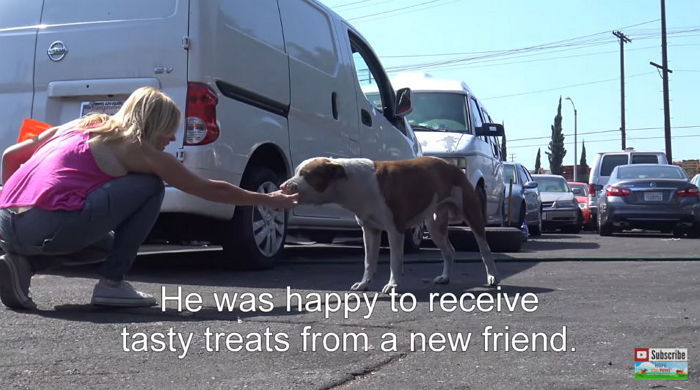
[
  {"x": 536, "y": 230},
  {"x": 500, "y": 239},
  {"x": 604, "y": 229},
  {"x": 240, "y": 245},
  {"x": 678, "y": 232},
  {"x": 481, "y": 193},
  {"x": 694, "y": 232},
  {"x": 521, "y": 217},
  {"x": 413, "y": 239}
]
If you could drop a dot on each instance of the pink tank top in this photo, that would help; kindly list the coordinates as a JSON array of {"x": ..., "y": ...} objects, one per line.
[{"x": 58, "y": 176}]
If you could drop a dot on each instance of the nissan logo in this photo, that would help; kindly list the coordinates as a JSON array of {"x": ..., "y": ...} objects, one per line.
[{"x": 57, "y": 50}]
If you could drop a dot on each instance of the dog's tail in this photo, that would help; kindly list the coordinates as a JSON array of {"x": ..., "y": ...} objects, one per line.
[{"x": 473, "y": 208}]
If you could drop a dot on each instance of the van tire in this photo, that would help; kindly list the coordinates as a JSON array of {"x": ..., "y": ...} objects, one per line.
[
  {"x": 481, "y": 193},
  {"x": 240, "y": 246},
  {"x": 413, "y": 239}
]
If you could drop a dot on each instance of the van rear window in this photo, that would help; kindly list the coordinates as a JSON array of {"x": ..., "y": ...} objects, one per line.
[
  {"x": 80, "y": 11},
  {"x": 644, "y": 159},
  {"x": 610, "y": 162}
]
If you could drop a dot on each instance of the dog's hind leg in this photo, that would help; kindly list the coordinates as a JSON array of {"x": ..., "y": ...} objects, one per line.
[
  {"x": 437, "y": 227},
  {"x": 396, "y": 239},
  {"x": 372, "y": 239},
  {"x": 475, "y": 220}
]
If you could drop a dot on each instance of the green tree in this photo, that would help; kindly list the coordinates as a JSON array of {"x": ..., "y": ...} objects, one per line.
[
  {"x": 556, "y": 145},
  {"x": 583, "y": 167},
  {"x": 538, "y": 164}
]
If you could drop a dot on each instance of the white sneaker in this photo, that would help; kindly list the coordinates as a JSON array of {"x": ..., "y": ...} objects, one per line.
[{"x": 123, "y": 294}]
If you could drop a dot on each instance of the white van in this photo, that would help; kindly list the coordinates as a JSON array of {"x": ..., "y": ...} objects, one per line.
[
  {"x": 448, "y": 120},
  {"x": 263, "y": 85}
]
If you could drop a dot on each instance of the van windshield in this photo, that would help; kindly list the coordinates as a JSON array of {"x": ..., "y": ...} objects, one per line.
[{"x": 439, "y": 111}]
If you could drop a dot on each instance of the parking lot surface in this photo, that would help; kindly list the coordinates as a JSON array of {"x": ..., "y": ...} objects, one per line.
[{"x": 589, "y": 301}]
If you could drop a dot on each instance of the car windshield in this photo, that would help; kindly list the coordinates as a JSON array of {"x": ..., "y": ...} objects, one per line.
[
  {"x": 656, "y": 172},
  {"x": 580, "y": 187},
  {"x": 509, "y": 174},
  {"x": 439, "y": 112},
  {"x": 551, "y": 184}
]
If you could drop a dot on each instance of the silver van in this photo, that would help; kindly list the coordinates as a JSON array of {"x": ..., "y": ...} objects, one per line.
[
  {"x": 605, "y": 162},
  {"x": 448, "y": 118},
  {"x": 263, "y": 85}
]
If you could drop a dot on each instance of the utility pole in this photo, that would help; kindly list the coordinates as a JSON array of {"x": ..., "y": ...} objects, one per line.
[
  {"x": 665, "y": 71},
  {"x": 623, "y": 39},
  {"x": 512, "y": 157},
  {"x": 575, "y": 131}
]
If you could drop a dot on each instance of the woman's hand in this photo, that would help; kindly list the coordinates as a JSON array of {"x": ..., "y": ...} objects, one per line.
[{"x": 278, "y": 200}]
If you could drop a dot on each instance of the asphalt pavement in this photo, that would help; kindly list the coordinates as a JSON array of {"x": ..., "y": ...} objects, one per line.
[{"x": 570, "y": 311}]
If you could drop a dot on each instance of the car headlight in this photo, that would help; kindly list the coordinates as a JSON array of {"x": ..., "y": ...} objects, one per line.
[{"x": 459, "y": 162}]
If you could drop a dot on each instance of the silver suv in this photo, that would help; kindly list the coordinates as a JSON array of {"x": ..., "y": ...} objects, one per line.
[{"x": 604, "y": 164}]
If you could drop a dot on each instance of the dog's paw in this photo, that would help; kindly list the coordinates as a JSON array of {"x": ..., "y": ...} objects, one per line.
[
  {"x": 492, "y": 280},
  {"x": 359, "y": 286},
  {"x": 389, "y": 288},
  {"x": 442, "y": 279}
]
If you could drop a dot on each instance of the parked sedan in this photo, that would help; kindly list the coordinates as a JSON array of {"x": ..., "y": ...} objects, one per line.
[
  {"x": 649, "y": 196},
  {"x": 580, "y": 191},
  {"x": 523, "y": 203},
  {"x": 559, "y": 207}
]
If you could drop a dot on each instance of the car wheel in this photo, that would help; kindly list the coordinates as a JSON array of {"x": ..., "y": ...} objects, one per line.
[
  {"x": 257, "y": 234},
  {"x": 521, "y": 217},
  {"x": 536, "y": 230},
  {"x": 604, "y": 229},
  {"x": 413, "y": 239},
  {"x": 694, "y": 232},
  {"x": 481, "y": 193},
  {"x": 678, "y": 232}
]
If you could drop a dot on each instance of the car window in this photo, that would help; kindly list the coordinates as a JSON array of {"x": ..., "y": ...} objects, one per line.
[
  {"x": 645, "y": 159},
  {"x": 509, "y": 174},
  {"x": 580, "y": 188},
  {"x": 658, "y": 172},
  {"x": 610, "y": 162},
  {"x": 524, "y": 177},
  {"x": 551, "y": 184},
  {"x": 439, "y": 111}
]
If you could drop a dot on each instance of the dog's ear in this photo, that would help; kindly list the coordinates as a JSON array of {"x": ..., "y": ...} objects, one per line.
[
  {"x": 322, "y": 172},
  {"x": 335, "y": 170}
]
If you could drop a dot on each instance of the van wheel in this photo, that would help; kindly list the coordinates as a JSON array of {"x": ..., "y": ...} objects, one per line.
[
  {"x": 257, "y": 234},
  {"x": 413, "y": 239},
  {"x": 481, "y": 193}
]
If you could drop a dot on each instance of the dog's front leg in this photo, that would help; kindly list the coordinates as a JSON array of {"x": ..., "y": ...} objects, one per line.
[
  {"x": 395, "y": 259},
  {"x": 372, "y": 238}
]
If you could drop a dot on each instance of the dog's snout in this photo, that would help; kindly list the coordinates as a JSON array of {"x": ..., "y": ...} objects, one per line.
[{"x": 289, "y": 188}]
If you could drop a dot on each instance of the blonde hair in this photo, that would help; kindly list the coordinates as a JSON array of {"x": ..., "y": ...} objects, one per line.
[{"x": 146, "y": 114}]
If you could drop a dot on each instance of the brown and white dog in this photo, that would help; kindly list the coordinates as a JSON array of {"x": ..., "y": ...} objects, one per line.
[{"x": 394, "y": 196}]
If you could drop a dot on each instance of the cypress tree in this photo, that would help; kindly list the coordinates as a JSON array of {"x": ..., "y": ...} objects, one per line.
[
  {"x": 556, "y": 145},
  {"x": 538, "y": 164}
]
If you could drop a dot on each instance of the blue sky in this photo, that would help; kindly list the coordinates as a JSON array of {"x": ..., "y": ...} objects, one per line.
[{"x": 520, "y": 56}]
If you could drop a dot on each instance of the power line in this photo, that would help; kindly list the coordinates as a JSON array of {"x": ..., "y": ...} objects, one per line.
[
  {"x": 605, "y": 140},
  {"x": 565, "y": 86},
  {"x": 604, "y": 131}
]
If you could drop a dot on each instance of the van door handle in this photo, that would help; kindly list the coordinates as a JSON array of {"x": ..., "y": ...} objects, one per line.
[
  {"x": 366, "y": 117},
  {"x": 334, "y": 105}
]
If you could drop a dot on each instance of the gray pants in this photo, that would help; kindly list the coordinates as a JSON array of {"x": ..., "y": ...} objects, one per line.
[{"x": 113, "y": 223}]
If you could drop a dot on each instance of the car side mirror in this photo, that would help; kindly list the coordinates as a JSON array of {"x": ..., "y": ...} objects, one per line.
[
  {"x": 530, "y": 184},
  {"x": 404, "y": 103},
  {"x": 490, "y": 129}
]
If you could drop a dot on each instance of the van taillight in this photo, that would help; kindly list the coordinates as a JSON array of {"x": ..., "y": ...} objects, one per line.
[{"x": 200, "y": 115}]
